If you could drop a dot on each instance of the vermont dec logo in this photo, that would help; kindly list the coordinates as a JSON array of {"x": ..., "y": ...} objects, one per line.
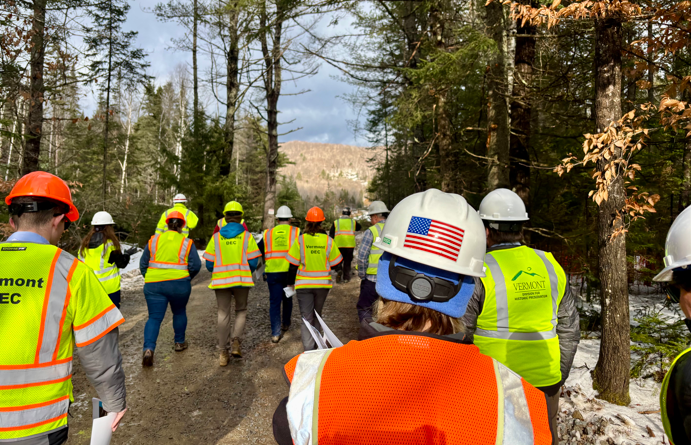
[{"x": 534, "y": 284}]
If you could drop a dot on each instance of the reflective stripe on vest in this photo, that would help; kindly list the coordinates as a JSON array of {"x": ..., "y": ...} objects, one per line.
[
  {"x": 344, "y": 236},
  {"x": 172, "y": 263},
  {"x": 664, "y": 396},
  {"x": 275, "y": 253},
  {"x": 236, "y": 271},
  {"x": 375, "y": 253},
  {"x": 59, "y": 287},
  {"x": 28, "y": 416},
  {"x": 522, "y": 294},
  {"x": 96, "y": 259},
  {"x": 513, "y": 415}
]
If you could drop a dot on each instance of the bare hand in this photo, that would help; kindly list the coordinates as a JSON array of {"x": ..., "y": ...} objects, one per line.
[{"x": 117, "y": 420}]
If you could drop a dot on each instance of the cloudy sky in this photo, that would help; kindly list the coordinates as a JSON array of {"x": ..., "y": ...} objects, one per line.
[{"x": 322, "y": 113}]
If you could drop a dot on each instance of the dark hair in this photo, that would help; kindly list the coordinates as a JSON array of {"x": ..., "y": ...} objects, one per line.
[
  {"x": 314, "y": 227},
  {"x": 235, "y": 217},
  {"x": 682, "y": 278},
  {"x": 499, "y": 236},
  {"x": 176, "y": 224},
  {"x": 108, "y": 235},
  {"x": 25, "y": 219}
]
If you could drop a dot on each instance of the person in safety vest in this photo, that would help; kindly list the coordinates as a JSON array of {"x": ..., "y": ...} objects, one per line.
[
  {"x": 524, "y": 315},
  {"x": 169, "y": 263},
  {"x": 50, "y": 302},
  {"x": 414, "y": 377},
  {"x": 315, "y": 254},
  {"x": 232, "y": 206},
  {"x": 343, "y": 233},
  {"x": 675, "y": 394},
  {"x": 100, "y": 250},
  {"x": 191, "y": 219},
  {"x": 279, "y": 272},
  {"x": 231, "y": 255},
  {"x": 368, "y": 259}
]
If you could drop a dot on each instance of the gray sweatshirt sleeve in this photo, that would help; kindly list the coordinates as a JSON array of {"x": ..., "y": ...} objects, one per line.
[
  {"x": 475, "y": 305},
  {"x": 568, "y": 330},
  {"x": 102, "y": 364}
]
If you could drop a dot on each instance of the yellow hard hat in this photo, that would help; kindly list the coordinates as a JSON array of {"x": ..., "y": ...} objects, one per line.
[{"x": 233, "y": 206}]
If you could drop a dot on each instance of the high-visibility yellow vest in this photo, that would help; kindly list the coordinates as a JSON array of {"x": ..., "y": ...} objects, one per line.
[
  {"x": 231, "y": 260},
  {"x": 517, "y": 326},
  {"x": 664, "y": 396},
  {"x": 169, "y": 252},
  {"x": 277, "y": 242},
  {"x": 375, "y": 253},
  {"x": 97, "y": 259},
  {"x": 191, "y": 219},
  {"x": 316, "y": 255},
  {"x": 344, "y": 233},
  {"x": 222, "y": 222},
  {"x": 49, "y": 301}
]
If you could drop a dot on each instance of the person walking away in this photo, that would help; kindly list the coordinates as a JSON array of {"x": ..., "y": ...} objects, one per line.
[
  {"x": 368, "y": 259},
  {"x": 315, "y": 253},
  {"x": 169, "y": 263},
  {"x": 675, "y": 394},
  {"x": 343, "y": 233},
  {"x": 526, "y": 318},
  {"x": 414, "y": 376},
  {"x": 232, "y": 206},
  {"x": 279, "y": 272},
  {"x": 100, "y": 250},
  {"x": 191, "y": 219},
  {"x": 50, "y": 302},
  {"x": 231, "y": 255}
]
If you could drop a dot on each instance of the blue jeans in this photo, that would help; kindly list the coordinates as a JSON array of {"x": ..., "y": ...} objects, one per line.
[
  {"x": 158, "y": 296},
  {"x": 115, "y": 298},
  {"x": 277, "y": 281}
]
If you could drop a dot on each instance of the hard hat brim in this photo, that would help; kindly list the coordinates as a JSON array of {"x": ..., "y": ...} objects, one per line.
[
  {"x": 507, "y": 219},
  {"x": 667, "y": 272}
]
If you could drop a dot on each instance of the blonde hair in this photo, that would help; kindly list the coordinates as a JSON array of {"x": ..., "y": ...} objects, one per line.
[{"x": 410, "y": 317}]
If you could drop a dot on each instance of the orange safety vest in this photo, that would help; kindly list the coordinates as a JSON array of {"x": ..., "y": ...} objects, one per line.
[{"x": 403, "y": 389}]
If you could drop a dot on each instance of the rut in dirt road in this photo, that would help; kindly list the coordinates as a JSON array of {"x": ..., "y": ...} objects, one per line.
[{"x": 187, "y": 398}]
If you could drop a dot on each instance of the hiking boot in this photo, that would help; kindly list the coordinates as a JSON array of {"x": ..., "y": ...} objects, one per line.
[
  {"x": 224, "y": 358},
  {"x": 235, "y": 348},
  {"x": 181, "y": 346},
  {"x": 285, "y": 328},
  {"x": 276, "y": 338},
  {"x": 148, "y": 359}
]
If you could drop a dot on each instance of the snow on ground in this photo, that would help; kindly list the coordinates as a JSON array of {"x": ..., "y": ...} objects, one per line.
[{"x": 583, "y": 419}]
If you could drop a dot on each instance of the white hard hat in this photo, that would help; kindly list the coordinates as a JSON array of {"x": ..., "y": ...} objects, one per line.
[
  {"x": 284, "y": 213},
  {"x": 436, "y": 229},
  {"x": 102, "y": 219},
  {"x": 677, "y": 246},
  {"x": 503, "y": 205},
  {"x": 376, "y": 208},
  {"x": 180, "y": 198}
]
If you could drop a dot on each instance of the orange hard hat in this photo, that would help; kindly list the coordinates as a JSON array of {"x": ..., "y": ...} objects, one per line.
[
  {"x": 44, "y": 185},
  {"x": 315, "y": 214},
  {"x": 175, "y": 215}
]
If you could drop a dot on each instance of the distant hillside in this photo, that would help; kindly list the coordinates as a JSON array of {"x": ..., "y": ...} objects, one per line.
[{"x": 321, "y": 167}]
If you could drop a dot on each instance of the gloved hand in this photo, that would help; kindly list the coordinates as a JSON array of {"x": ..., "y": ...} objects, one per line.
[{"x": 131, "y": 250}]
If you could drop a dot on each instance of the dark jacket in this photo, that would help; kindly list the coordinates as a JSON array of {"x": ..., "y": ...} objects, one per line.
[
  {"x": 121, "y": 260},
  {"x": 368, "y": 329},
  {"x": 679, "y": 401},
  {"x": 568, "y": 325}
]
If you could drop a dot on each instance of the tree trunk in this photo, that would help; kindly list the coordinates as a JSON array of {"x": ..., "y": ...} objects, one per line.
[
  {"x": 232, "y": 87},
  {"x": 500, "y": 84},
  {"x": 34, "y": 127},
  {"x": 611, "y": 376},
  {"x": 195, "y": 86},
  {"x": 107, "y": 123},
  {"x": 521, "y": 112},
  {"x": 272, "y": 83}
]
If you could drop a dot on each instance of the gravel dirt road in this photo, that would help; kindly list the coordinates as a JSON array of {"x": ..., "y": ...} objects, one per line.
[{"x": 187, "y": 398}]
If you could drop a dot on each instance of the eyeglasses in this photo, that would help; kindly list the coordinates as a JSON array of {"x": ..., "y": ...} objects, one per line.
[
  {"x": 673, "y": 292},
  {"x": 67, "y": 222},
  {"x": 421, "y": 287}
]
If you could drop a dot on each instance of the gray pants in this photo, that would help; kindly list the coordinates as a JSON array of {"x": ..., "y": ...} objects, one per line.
[
  {"x": 310, "y": 300},
  {"x": 225, "y": 297}
]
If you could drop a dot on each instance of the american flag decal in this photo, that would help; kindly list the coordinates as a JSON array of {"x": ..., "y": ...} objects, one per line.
[{"x": 434, "y": 237}]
